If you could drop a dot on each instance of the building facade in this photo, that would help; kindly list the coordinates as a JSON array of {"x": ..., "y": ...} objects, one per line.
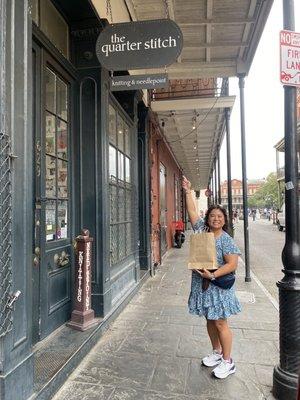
[
  {"x": 76, "y": 156},
  {"x": 237, "y": 192}
]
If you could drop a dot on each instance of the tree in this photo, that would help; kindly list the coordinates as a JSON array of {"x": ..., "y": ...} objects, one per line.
[{"x": 267, "y": 195}]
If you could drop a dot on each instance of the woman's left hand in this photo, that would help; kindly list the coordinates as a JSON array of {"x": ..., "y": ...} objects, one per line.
[{"x": 204, "y": 273}]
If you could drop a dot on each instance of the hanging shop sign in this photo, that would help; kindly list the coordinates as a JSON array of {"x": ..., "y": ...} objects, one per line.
[
  {"x": 141, "y": 44},
  {"x": 135, "y": 82},
  {"x": 290, "y": 58}
]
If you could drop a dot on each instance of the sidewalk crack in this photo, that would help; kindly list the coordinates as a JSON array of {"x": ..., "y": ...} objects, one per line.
[{"x": 152, "y": 374}]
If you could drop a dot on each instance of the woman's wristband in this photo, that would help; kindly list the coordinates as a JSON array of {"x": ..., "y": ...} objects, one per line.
[
  {"x": 212, "y": 276},
  {"x": 188, "y": 192}
]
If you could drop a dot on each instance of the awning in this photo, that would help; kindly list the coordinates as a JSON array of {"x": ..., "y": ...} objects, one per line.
[{"x": 220, "y": 40}]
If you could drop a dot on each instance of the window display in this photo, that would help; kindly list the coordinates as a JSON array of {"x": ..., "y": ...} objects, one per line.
[
  {"x": 50, "y": 134},
  {"x": 50, "y": 220},
  {"x": 56, "y": 158},
  {"x": 121, "y": 189}
]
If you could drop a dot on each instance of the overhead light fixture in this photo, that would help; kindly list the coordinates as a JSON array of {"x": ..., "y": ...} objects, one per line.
[{"x": 194, "y": 123}]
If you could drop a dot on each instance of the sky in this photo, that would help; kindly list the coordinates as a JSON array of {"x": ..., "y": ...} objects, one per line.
[{"x": 264, "y": 116}]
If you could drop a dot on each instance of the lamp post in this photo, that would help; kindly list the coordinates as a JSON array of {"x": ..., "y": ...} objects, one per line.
[{"x": 285, "y": 375}]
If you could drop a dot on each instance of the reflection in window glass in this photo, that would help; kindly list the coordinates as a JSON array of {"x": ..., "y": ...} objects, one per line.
[
  {"x": 50, "y": 176},
  {"x": 62, "y": 99},
  {"x": 54, "y": 27},
  {"x": 62, "y": 178},
  {"x": 120, "y": 166},
  {"x": 120, "y": 133},
  {"x": 112, "y": 126},
  {"x": 62, "y": 217},
  {"x": 50, "y": 91},
  {"x": 112, "y": 162},
  {"x": 62, "y": 139},
  {"x": 127, "y": 170},
  {"x": 50, "y": 134},
  {"x": 50, "y": 220}
]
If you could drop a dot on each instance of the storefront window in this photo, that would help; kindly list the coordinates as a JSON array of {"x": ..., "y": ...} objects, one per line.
[
  {"x": 120, "y": 178},
  {"x": 56, "y": 158}
]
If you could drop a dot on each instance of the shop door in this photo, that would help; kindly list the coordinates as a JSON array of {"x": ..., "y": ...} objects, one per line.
[
  {"x": 163, "y": 208},
  {"x": 52, "y": 247}
]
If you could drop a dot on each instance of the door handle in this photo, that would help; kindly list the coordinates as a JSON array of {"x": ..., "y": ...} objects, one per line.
[
  {"x": 36, "y": 261},
  {"x": 62, "y": 260}
]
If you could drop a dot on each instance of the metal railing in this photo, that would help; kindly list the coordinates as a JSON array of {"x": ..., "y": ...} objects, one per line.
[
  {"x": 189, "y": 88},
  {"x": 5, "y": 236}
]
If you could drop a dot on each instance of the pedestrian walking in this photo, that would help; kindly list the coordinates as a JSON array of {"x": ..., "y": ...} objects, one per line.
[
  {"x": 214, "y": 303},
  {"x": 235, "y": 216}
]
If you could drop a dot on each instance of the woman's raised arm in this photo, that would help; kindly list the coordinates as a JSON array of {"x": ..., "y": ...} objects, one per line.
[{"x": 190, "y": 203}]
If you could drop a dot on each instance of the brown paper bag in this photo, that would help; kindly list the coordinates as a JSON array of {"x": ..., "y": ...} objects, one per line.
[{"x": 202, "y": 251}]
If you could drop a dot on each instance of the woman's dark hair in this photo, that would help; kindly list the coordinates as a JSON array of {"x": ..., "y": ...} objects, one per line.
[{"x": 216, "y": 207}]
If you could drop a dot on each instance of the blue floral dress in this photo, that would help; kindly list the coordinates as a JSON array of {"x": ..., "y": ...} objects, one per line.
[{"x": 214, "y": 303}]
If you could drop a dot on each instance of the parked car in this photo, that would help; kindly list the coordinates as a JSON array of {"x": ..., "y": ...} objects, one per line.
[{"x": 281, "y": 218}]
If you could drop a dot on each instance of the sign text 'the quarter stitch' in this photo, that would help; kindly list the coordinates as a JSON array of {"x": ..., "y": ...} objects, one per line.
[
  {"x": 139, "y": 44},
  {"x": 121, "y": 44}
]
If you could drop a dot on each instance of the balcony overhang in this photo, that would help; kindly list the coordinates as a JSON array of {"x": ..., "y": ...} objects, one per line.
[
  {"x": 192, "y": 104},
  {"x": 220, "y": 41}
]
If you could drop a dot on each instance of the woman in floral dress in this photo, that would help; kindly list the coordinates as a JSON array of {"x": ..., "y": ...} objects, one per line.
[{"x": 214, "y": 303}]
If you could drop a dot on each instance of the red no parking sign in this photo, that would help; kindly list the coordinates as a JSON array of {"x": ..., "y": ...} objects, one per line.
[{"x": 290, "y": 58}]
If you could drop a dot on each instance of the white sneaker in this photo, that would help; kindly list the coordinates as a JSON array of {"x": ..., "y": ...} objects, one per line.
[
  {"x": 224, "y": 369},
  {"x": 212, "y": 360}
]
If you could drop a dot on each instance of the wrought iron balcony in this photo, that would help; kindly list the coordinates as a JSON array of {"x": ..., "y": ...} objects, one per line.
[{"x": 189, "y": 88}]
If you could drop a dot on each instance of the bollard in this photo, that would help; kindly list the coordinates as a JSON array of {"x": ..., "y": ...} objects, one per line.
[{"x": 83, "y": 317}]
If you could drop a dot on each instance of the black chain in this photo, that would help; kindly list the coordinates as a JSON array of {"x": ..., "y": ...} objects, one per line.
[
  {"x": 109, "y": 10},
  {"x": 167, "y": 9}
]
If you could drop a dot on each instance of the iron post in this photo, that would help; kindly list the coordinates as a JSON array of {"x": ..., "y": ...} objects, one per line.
[
  {"x": 285, "y": 375},
  {"x": 219, "y": 179},
  {"x": 215, "y": 183},
  {"x": 229, "y": 188},
  {"x": 244, "y": 174}
]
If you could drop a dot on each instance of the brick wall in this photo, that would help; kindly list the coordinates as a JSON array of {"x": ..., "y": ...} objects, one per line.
[{"x": 160, "y": 153}]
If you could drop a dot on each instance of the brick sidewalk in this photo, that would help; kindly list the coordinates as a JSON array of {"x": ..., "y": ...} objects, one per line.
[{"x": 154, "y": 348}]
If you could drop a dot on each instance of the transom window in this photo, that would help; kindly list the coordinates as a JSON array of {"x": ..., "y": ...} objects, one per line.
[
  {"x": 50, "y": 21},
  {"x": 121, "y": 190},
  {"x": 56, "y": 157}
]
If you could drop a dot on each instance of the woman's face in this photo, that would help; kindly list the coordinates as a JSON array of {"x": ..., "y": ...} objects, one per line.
[{"x": 216, "y": 219}]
